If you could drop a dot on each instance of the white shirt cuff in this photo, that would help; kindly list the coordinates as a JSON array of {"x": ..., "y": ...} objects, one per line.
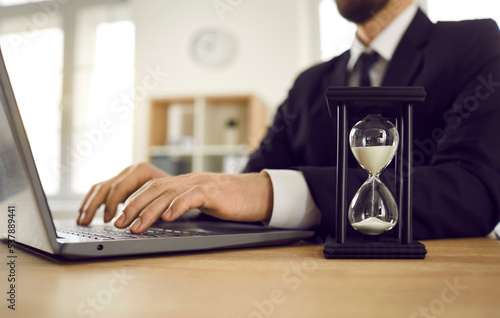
[{"x": 293, "y": 206}]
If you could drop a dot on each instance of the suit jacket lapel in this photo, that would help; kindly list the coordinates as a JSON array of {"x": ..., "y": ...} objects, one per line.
[
  {"x": 408, "y": 58},
  {"x": 338, "y": 75}
]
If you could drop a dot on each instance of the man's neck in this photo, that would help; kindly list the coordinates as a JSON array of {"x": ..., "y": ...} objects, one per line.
[{"x": 369, "y": 30}]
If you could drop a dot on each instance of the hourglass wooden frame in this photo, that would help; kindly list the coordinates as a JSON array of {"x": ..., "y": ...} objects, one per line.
[{"x": 392, "y": 103}]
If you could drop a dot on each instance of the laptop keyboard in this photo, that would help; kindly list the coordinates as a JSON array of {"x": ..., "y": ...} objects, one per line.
[{"x": 103, "y": 233}]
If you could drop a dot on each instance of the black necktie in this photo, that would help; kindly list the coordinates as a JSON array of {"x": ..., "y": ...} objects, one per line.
[{"x": 367, "y": 60}]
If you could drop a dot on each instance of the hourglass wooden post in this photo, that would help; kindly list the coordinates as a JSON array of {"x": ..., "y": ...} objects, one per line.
[{"x": 350, "y": 104}]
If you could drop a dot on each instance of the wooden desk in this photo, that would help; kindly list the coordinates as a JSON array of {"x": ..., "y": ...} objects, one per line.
[{"x": 458, "y": 278}]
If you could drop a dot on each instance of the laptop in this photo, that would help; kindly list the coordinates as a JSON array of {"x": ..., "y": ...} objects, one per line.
[{"x": 25, "y": 217}]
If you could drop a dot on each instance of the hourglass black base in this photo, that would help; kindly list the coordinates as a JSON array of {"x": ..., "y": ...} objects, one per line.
[{"x": 385, "y": 247}]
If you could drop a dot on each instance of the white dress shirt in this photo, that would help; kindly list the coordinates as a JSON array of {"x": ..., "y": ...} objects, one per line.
[{"x": 293, "y": 206}]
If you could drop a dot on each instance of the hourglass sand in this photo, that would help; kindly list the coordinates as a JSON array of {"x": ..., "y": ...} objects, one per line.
[
  {"x": 384, "y": 220},
  {"x": 374, "y": 142}
]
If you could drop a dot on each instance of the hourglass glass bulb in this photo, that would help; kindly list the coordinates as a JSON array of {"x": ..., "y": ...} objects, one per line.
[
  {"x": 374, "y": 142},
  {"x": 373, "y": 210}
]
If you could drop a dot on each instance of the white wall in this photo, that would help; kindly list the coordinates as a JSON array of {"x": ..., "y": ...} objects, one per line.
[{"x": 275, "y": 39}]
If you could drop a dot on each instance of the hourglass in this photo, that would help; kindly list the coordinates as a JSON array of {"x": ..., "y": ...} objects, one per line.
[
  {"x": 374, "y": 142},
  {"x": 382, "y": 119}
]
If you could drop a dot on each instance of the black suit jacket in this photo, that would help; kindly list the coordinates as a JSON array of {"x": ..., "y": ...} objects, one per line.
[{"x": 456, "y": 131}]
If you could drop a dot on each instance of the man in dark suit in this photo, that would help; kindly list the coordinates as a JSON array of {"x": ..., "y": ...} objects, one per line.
[
  {"x": 457, "y": 166},
  {"x": 456, "y": 156}
]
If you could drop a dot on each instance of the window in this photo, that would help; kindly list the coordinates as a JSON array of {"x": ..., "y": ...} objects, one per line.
[
  {"x": 35, "y": 70},
  {"x": 68, "y": 64},
  {"x": 103, "y": 73},
  {"x": 453, "y": 10},
  {"x": 337, "y": 34}
]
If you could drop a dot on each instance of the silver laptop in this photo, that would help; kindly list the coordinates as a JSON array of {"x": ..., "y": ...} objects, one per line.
[{"x": 25, "y": 216}]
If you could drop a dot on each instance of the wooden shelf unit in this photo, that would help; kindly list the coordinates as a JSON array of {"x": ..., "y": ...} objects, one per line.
[{"x": 202, "y": 122}]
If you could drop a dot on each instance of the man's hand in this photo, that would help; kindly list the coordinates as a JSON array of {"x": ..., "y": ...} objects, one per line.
[{"x": 149, "y": 193}]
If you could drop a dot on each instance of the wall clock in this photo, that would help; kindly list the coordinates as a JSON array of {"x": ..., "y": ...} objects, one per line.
[{"x": 212, "y": 48}]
